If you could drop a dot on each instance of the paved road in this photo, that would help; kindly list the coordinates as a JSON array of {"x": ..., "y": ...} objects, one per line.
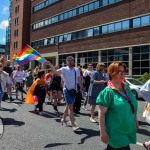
[{"x": 24, "y": 130}]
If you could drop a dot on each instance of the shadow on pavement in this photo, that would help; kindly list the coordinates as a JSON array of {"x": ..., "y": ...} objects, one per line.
[
  {"x": 89, "y": 133},
  {"x": 10, "y": 121},
  {"x": 141, "y": 123},
  {"x": 10, "y": 110},
  {"x": 56, "y": 144},
  {"x": 143, "y": 132}
]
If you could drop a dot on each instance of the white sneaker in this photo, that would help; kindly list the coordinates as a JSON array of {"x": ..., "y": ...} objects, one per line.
[
  {"x": 83, "y": 107},
  {"x": 75, "y": 128},
  {"x": 40, "y": 113},
  {"x": 92, "y": 120}
]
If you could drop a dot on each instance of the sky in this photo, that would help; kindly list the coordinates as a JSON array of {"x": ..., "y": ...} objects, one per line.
[{"x": 4, "y": 14}]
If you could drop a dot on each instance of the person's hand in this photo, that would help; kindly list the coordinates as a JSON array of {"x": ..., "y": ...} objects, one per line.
[
  {"x": 104, "y": 137},
  {"x": 1, "y": 71}
]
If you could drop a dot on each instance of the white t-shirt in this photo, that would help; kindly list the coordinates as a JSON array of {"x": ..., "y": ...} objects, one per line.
[
  {"x": 68, "y": 76},
  {"x": 87, "y": 72},
  {"x": 18, "y": 76}
]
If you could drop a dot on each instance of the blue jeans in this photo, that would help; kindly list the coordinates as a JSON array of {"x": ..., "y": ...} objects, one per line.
[{"x": 68, "y": 98}]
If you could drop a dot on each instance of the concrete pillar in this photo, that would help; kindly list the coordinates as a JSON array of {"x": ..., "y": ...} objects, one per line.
[
  {"x": 76, "y": 59},
  {"x": 130, "y": 61},
  {"x": 99, "y": 56}
]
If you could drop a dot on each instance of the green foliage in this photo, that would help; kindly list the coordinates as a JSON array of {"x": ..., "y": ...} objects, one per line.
[{"x": 145, "y": 77}]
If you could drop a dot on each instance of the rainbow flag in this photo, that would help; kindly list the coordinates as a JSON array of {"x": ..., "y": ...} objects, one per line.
[{"x": 27, "y": 55}]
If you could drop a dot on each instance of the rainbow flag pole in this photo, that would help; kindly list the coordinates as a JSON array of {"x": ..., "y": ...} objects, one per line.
[{"x": 28, "y": 54}]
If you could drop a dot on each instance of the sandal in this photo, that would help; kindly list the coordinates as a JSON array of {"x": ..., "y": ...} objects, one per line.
[{"x": 146, "y": 146}]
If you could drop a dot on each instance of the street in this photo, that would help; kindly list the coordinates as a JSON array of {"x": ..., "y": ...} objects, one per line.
[{"x": 25, "y": 130}]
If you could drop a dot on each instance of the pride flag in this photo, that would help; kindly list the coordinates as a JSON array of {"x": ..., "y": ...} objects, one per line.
[{"x": 27, "y": 55}]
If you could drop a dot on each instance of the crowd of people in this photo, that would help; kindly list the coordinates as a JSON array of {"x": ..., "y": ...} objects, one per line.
[{"x": 108, "y": 89}]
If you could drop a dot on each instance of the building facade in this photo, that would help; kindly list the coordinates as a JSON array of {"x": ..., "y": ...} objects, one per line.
[
  {"x": 20, "y": 17},
  {"x": 96, "y": 30}
]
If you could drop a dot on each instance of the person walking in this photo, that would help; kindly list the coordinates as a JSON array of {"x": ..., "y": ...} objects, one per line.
[
  {"x": 3, "y": 78},
  {"x": 9, "y": 70},
  {"x": 117, "y": 111},
  {"x": 87, "y": 77},
  {"x": 97, "y": 84},
  {"x": 18, "y": 77},
  {"x": 71, "y": 76}
]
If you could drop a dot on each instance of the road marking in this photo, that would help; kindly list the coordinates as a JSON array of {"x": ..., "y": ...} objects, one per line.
[
  {"x": 1, "y": 128},
  {"x": 138, "y": 143}
]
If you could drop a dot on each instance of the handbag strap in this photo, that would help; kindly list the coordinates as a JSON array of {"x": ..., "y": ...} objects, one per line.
[{"x": 75, "y": 78}]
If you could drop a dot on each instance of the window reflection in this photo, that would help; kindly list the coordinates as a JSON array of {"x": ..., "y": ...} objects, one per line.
[
  {"x": 118, "y": 26},
  {"x": 136, "y": 22},
  {"x": 125, "y": 25},
  {"x": 145, "y": 21},
  {"x": 104, "y": 29},
  {"x": 111, "y": 28}
]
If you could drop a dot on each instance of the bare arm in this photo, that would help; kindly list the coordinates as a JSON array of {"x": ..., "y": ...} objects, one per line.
[
  {"x": 99, "y": 82},
  {"x": 80, "y": 83},
  {"x": 103, "y": 135},
  {"x": 57, "y": 72}
]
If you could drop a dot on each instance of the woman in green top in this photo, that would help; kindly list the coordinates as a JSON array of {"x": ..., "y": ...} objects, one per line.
[{"x": 117, "y": 111}]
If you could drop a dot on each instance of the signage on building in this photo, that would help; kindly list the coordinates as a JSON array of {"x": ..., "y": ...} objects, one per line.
[{"x": 82, "y": 61}]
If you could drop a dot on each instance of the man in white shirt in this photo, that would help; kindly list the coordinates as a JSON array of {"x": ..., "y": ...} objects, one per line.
[{"x": 71, "y": 76}]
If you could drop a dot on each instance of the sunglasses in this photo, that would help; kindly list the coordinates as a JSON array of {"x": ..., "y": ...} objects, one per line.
[{"x": 120, "y": 72}]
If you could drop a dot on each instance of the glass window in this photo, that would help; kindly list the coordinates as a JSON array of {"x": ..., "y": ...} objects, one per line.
[
  {"x": 74, "y": 36},
  {"x": 104, "y": 29},
  {"x": 65, "y": 15},
  {"x": 81, "y": 10},
  {"x": 52, "y": 40},
  {"x": 56, "y": 19},
  {"x": 125, "y": 25},
  {"x": 61, "y": 17},
  {"x": 53, "y": 20},
  {"x": 104, "y": 59},
  {"x": 144, "y": 56},
  {"x": 136, "y": 22},
  {"x": 70, "y": 14},
  {"x": 143, "y": 70},
  {"x": 145, "y": 49},
  {"x": 69, "y": 37},
  {"x": 90, "y": 32},
  {"x": 96, "y": 31},
  {"x": 91, "y": 6},
  {"x": 136, "y": 50},
  {"x": 96, "y": 5},
  {"x": 144, "y": 64},
  {"x": 118, "y": 26},
  {"x": 74, "y": 12},
  {"x": 45, "y": 42},
  {"x": 46, "y": 3},
  {"x": 111, "y": 1},
  {"x": 145, "y": 21},
  {"x": 104, "y": 2},
  {"x": 60, "y": 38},
  {"x": 110, "y": 58},
  {"x": 136, "y": 64},
  {"x": 46, "y": 22},
  {"x": 110, "y": 52},
  {"x": 65, "y": 37},
  {"x": 86, "y": 8},
  {"x": 81, "y": 34},
  {"x": 50, "y": 21},
  {"x": 136, "y": 56},
  {"x": 111, "y": 28},
  {"x": 136, "y": 72}
]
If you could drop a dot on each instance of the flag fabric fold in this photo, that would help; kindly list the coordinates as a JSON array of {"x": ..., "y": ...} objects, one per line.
[{"x": 27, "y": 55}]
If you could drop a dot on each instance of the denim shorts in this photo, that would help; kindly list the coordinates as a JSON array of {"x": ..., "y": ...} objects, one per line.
[{"x": 68, "y": 98}]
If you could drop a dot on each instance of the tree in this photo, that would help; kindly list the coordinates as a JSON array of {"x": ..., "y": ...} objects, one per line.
[{"x": 145, "y": 77}]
